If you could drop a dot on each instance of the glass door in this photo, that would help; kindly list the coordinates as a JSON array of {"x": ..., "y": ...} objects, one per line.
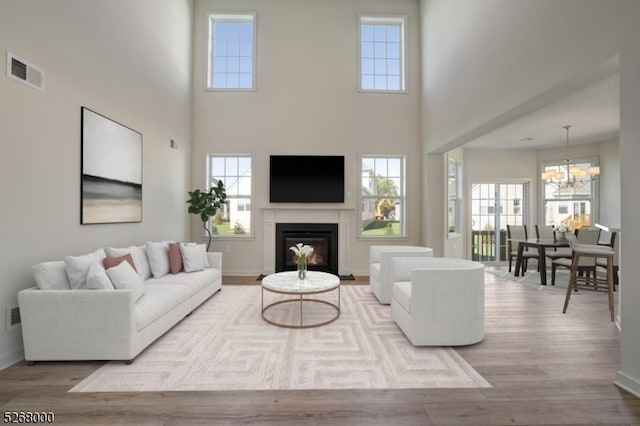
[{"x": 494, "y": 205}]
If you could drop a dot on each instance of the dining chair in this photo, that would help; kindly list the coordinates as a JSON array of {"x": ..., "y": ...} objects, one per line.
[
  {"x": 586, "y": 265},
  {"x": 515, "y": 234},
  {"x": 614, "y": 242},
  {"x": 547, "y": 232},
  {"x": 595, "y": 283}
]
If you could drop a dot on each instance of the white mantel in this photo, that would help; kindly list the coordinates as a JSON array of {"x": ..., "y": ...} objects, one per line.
[{"x": 316, "y": 214}]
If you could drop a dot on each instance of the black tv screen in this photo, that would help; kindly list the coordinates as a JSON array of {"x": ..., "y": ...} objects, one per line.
[{"x": 306, "y": 179}]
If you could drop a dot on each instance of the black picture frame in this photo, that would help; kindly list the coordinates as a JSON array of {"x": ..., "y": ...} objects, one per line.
[{"x": 111, "y": 171}]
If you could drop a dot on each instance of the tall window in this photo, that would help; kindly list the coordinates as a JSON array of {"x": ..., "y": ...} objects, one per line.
[
  {"x": 454, "y": 190},
  {"x": 568, "y": 205},
  {"x": 383, "y": 196},
  {"x": 382, "y": 57},
  {"x": 231, "y": 52},
  {"x": 235, "y": 172}
]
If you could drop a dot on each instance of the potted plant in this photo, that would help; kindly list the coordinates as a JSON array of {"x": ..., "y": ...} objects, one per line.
[{"x": 206, "y": 204}]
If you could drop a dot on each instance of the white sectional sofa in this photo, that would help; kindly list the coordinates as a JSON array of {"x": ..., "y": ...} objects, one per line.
[{"x": 66, "y": 318}]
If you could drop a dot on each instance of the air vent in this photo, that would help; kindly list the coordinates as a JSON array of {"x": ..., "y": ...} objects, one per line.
[
  {"x": 25, "y": 72},
  {"x": 13, "y": 317}
]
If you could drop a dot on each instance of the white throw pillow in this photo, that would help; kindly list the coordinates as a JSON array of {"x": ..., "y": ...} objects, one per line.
[
  {"x": 191, "y": 258},
  {"x": 78, "y": 267},
  {"x": 139, "y": 255},
  {"x": 97, "y": 278},
  {"x": 203, "y": 251},
  {"x": 124, "y": 276},
  {"x": 158, "y": 255},
  {"x": 51, "y": 275}
]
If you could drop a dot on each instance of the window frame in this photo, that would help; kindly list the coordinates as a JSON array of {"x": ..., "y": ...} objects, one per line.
[
  {"x": 230, "y": 17},
  {"x": 402, "y": 196},
  {"x": 592, "y": 198},
  {"x": 210, "y": 178},
  {"x": 386, "y": 19}
]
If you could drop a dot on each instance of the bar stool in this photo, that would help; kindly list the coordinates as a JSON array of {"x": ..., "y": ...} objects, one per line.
[{"x": 594, "y": 283}]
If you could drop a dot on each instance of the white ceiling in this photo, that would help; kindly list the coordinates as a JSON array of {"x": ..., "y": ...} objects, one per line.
[{"x": 592, "y": 112}]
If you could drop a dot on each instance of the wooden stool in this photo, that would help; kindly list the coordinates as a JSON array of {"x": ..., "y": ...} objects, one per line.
[{"x": 594, "y": 283}]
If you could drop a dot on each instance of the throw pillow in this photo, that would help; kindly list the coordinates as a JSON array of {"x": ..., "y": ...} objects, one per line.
[
  {"x": 110, "y": 262},
  {"x": 191, "y": 258},
  {"x": 175, "y": 258},
  {"x": 51, "y": 275},
  {"x": 97, "y": 278},
  {"x": 124, "y": 277},
  {"x": 158, "y": 254},
  {"x": 203, "y": 251},
  {"x": 140, "y": 260},
  {"x": 78, "y": 266}
]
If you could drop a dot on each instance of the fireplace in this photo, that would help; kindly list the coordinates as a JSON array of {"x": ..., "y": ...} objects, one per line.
[{"x": 323, "y": 237}]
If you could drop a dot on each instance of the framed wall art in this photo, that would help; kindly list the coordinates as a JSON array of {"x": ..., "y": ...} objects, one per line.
[{"x": 111, "y": 171}]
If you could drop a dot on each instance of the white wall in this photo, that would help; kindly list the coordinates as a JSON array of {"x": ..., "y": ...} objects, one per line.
[
  {"x": 130, "y": 61},
  {"x": 306, "y": 102},
  {"x": 492, "y": 61},
  {"x": 610, "y": 195}
]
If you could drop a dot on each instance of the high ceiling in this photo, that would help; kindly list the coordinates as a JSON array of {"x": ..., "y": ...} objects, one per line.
[{"x": 592, "y": 112}]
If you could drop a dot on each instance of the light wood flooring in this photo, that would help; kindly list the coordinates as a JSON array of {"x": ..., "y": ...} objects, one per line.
[{"x": 545, "y": 367}]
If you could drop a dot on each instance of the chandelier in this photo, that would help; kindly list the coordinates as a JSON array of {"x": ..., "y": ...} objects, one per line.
[{"x": 577, "y": 177}]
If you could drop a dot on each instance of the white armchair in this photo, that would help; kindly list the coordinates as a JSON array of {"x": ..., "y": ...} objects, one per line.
[
  {"x": 438, "y": 301},
  {"x": 380, "y": 266}
]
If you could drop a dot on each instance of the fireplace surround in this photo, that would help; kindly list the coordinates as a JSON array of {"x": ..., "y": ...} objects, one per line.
[
  {"x": 323, "y": 237},
  {"x": 340, "y": 215}
]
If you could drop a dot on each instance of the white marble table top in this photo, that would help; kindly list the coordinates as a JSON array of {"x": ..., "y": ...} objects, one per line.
[{"x": 288, "y": 282}]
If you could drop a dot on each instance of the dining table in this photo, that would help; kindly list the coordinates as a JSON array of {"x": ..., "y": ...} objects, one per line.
[{"x": 542, "y": 246}]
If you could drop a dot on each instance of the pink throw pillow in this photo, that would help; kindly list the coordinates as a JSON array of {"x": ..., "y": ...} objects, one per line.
[
  {"x": 175, "y": 258},
  {"x": 110, "y": 262}
]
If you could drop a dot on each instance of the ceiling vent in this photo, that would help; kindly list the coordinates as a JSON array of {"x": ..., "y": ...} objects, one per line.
[{"x": 25, "y": 72}]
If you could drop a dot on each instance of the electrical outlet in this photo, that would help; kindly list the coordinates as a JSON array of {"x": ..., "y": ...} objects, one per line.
[{"x": 13, "y": 317}]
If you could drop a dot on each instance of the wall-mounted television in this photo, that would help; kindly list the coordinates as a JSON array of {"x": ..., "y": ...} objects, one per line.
[{"x": 306, "y": 179}]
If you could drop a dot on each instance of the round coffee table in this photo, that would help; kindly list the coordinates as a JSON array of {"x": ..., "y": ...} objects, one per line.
[{"x": 288, "y": 283}]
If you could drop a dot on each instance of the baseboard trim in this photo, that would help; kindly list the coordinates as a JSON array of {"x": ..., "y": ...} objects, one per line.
[
  {"x": 628, "y": 383},
  {"x": 13, "y": 357}
]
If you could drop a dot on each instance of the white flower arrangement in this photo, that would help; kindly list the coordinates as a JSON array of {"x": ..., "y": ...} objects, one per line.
[
  {"x": 301, "y": 250},
  {"x": 563, "y": 228}
]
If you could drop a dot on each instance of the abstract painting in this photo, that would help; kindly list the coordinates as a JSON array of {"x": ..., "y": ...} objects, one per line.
[{"x": 111, "y": 171}]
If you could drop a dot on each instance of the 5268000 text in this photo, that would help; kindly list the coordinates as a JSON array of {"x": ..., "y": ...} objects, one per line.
[{"x": 28, "y": 417}]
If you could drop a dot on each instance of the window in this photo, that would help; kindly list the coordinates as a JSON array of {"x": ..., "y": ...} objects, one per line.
[
  {"x": 235, "y": 172},
  {"x": 383, "y": 196},
  {"x": 231, "y": 52},
  {"x": 568, "y": 204},
  {"x": 454, "y": 189},
  {"x": 382, "y": 57}
]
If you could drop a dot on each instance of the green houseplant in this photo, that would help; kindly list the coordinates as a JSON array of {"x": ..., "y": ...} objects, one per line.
[{"x": 206, "y": 204}]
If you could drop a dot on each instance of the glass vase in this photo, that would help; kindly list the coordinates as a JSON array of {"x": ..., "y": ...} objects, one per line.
[{"x": 302, "y": 267}]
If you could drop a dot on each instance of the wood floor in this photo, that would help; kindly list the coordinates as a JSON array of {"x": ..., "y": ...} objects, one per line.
[{"x": 545, "y": 367}]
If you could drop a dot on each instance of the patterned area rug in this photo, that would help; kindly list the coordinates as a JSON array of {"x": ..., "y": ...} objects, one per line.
[{"x": 226, "y": 345}]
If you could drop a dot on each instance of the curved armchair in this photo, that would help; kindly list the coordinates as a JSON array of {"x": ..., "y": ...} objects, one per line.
[
  {"x": 380, "y": 266},
  {"x": 438, "y": 301}
]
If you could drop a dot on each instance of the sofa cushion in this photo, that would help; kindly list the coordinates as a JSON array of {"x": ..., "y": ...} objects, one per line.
[
  {"x": 51, "y": 275},
  {"x": 158, "y": 255},
  {"x": 402, "y": 294},
  {"x": 157, "y": 301},
  {"x": 196, "y": 281},
  {"x": 124, "y": 277},
  {"x": 374, "y": 270},
  {"x": 78, "y": 266},
  {"x": 110, "y": 262},
  {"x": 140, "y": 260},
  {"x": 175, "y": 258},
  {"x": 191, "y": 258},
  {"x": 97, "y": 278}
]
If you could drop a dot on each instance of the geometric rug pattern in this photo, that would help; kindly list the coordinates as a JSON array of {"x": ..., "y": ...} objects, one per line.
[{"x": 226, "y": 345}]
